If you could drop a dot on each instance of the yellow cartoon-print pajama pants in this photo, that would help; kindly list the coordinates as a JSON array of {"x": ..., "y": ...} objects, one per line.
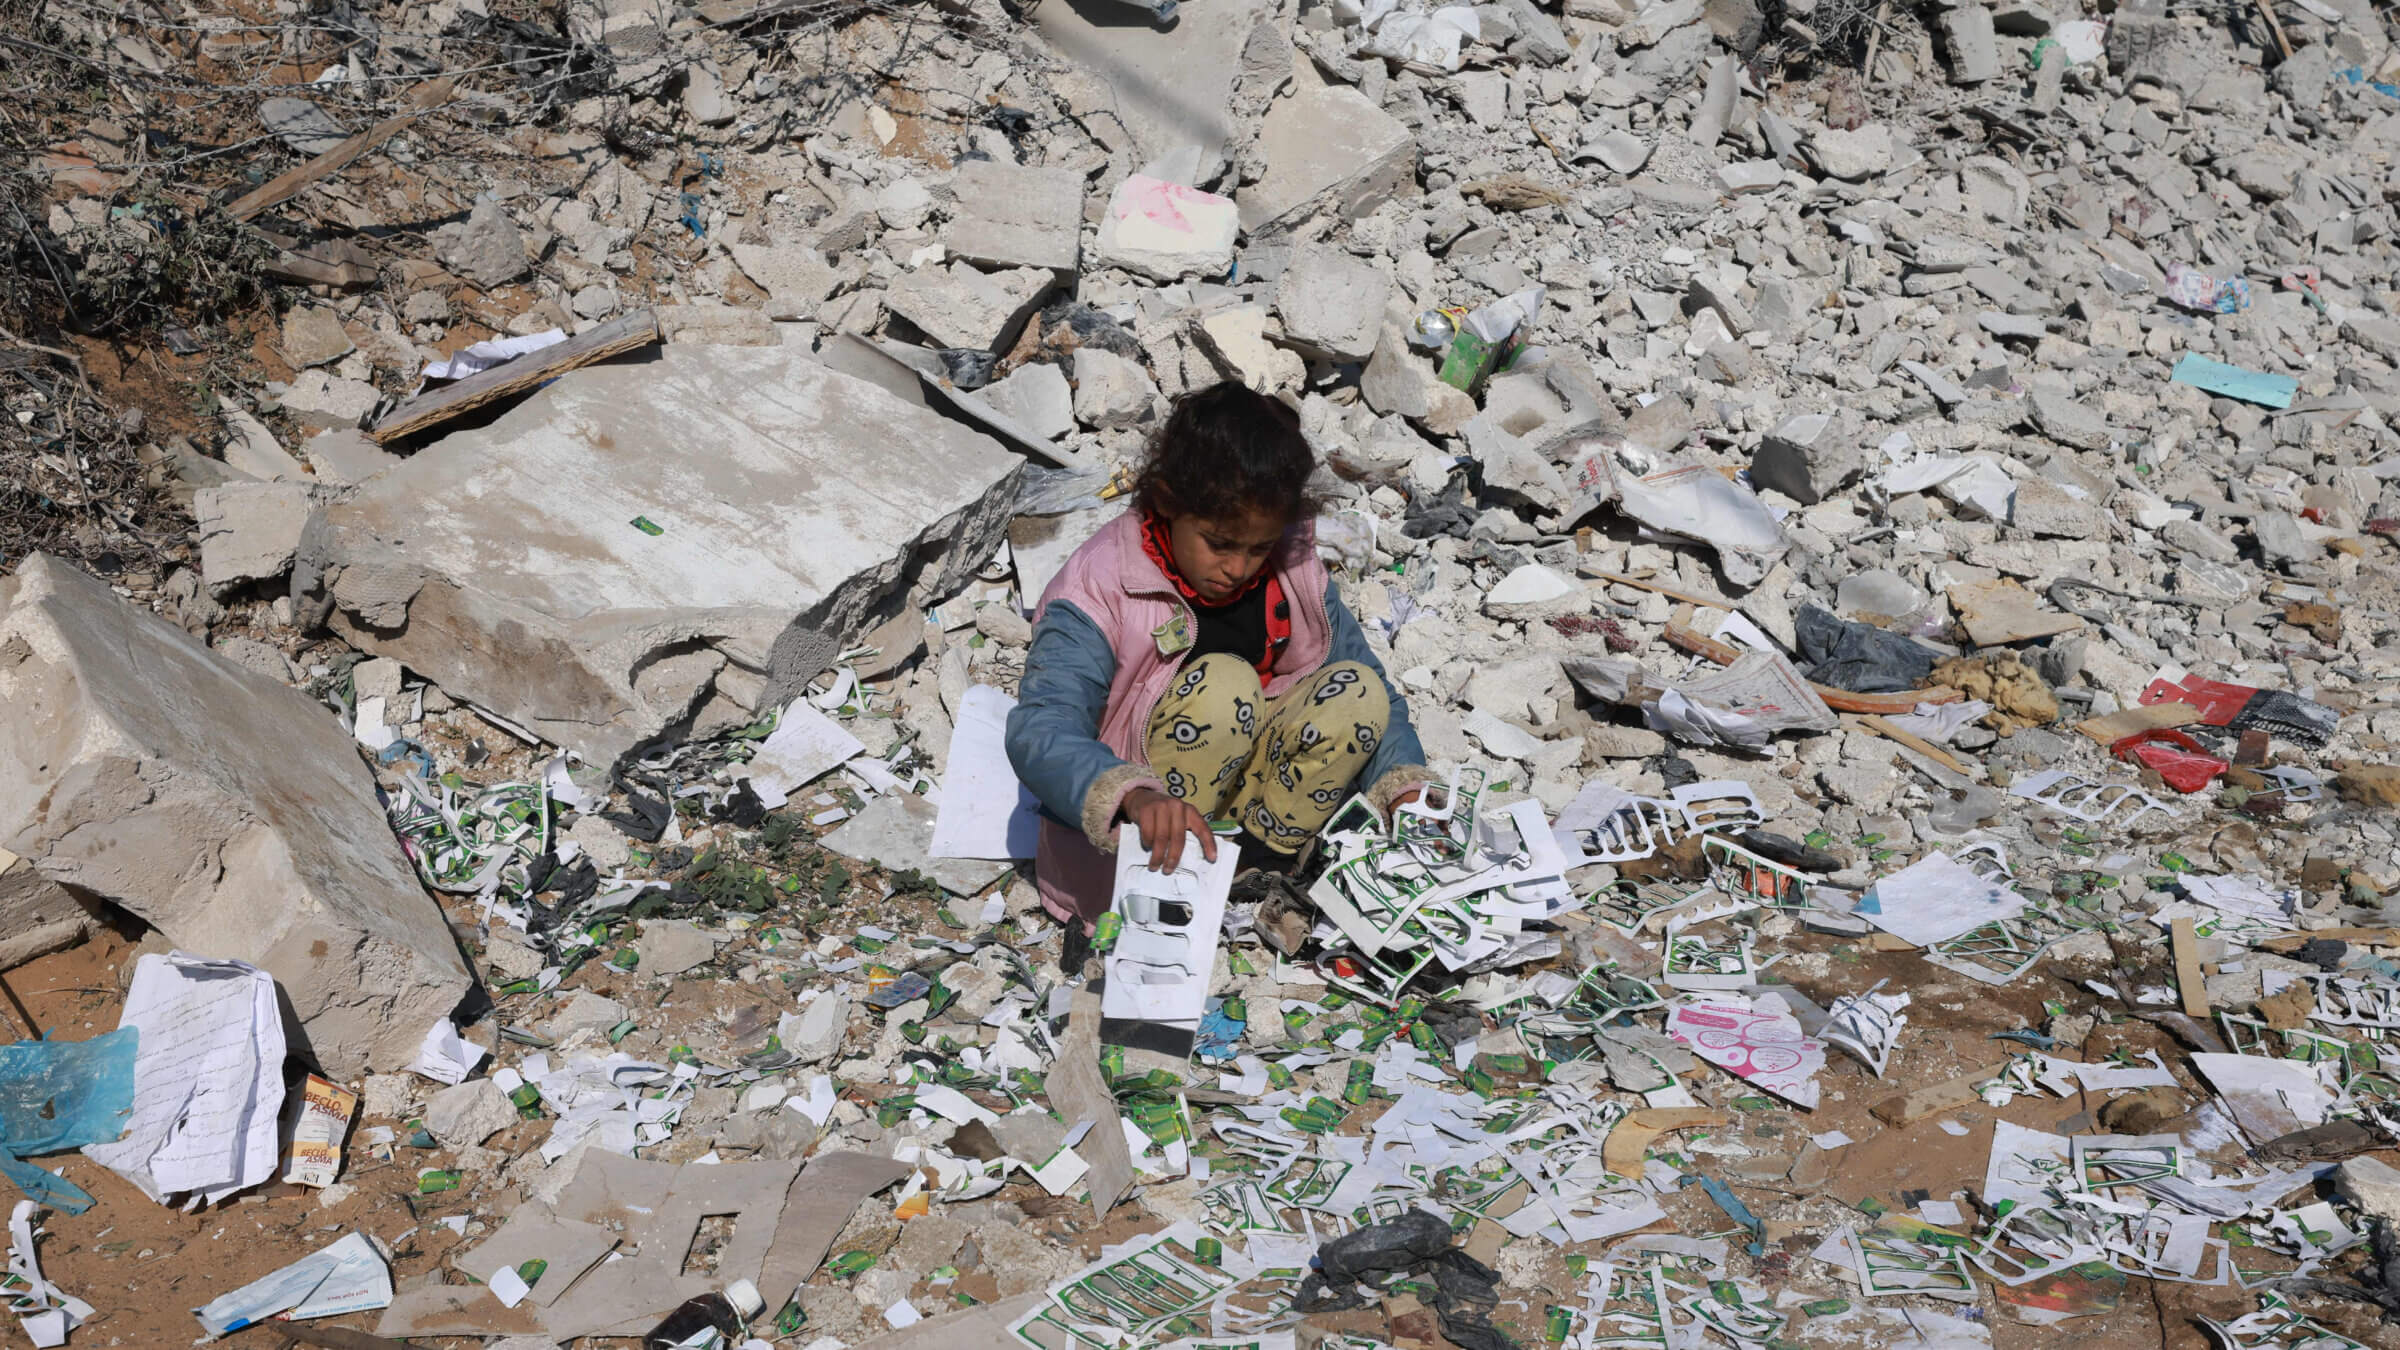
[{"x": 1280, "y": 768}]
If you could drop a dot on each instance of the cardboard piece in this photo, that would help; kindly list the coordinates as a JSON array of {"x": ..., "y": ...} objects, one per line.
[
  {"x": 817, "y": 1205},
  {"x": 536, "y": 1232},
  {"x": 1079, "y": 1093}
]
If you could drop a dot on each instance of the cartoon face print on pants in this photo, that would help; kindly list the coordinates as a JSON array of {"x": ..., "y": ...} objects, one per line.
[
  {"x": 1185, "y": 732},
  {"x": 1365, "y": 737},
  {"x": 1178, "y": 786},
  {"x": 1190, "y": 683},
  {"x": 1245, "y": 718},
  {"x": 1333, "y": 685}
]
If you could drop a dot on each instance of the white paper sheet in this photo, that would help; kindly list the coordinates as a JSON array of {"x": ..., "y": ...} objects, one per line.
[
  {"x": 804, "y": 746},
  {"x": 1935, "y": 899},
  {"x": 445, "y": 1056},
  {"x": 207, "y": 1079},
  {"x": 348, "y": 1276},
  {"x": 1159, "y": 971},
  {"x": 490, "y": 352},
  {"x": 985, "y": 811}
]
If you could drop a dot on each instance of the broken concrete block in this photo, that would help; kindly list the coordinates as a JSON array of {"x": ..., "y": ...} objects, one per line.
[
  {"x": 2374, "y": 1186},
  {"x": 248, "y": 531},
  {"x": 822, "y": 1022},
  {"x": 1974, "y": 50},
  {"x": 770, "y": 539},
  {"x": 345, "y": 455},
  {"x": 1012, "y": 216},
  {"x": 1167, "y": 231},
  {"x": 673, "y": 946},
  {"x": 1852, "y": 154},
  {"x": 1327, "y": 148},
  {"x": 465, "y": 1115},
  {"x": 1401, "y": 380},
  {"x": 717, "y": 325},
  {"x": 1713, "y": 293},
  {"x": 485, "y": 248},
  {"x": 1036, "y": 398},
  {"x": 1332, "y": 303},
  {"x": 1809, "y": 457},
  {"x": 1535, "y": 592},
  {"x": 960, "y": 306},
  {"x": 313, "y": 335},
  {"x": 37, "y": 915},
  {"x": 222, "y": 808},
  {"x": 1236, "y": 340},
  {"x": 895, "y": 831},
  {"x": 2066, "y": 421},
  {"x": 330, "y": 403},
  {"x": 1111, "y": 391},
  {"x": 795, "y": 279},
  {"x": 1740, "y": 23},
  {"x": 252, "y": 451}
]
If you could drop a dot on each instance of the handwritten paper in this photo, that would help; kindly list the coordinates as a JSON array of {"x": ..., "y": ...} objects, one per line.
[{"x": 207, "y": 1079}]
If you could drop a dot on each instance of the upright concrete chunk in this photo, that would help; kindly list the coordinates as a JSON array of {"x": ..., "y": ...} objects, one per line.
[
  {"x": 1326, "y": 147},
  {"x": 1974, "y": 50},
  {"x": 1809, "y": 457},
  {"x": 638, "y": 538},
  {"x": 224, "y": 809},
  {"x": 1012, "y": 216},
  {"x": 1332, "y": 303}
]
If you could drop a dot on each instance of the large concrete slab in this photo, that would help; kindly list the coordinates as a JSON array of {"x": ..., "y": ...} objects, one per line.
[
  {"x": 790, "y": 501},
  {"x": 1326, "y": 148},
  {"x": 1163, "y": 87},
  {"x": 228, "y": 811}
]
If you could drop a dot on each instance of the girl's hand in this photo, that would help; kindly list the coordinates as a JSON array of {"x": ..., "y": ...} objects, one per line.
[{"x": 1163, "y": 822}]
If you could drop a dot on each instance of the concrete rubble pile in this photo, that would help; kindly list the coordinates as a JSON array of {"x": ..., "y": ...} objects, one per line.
[{"x": 1896, "y": 561}]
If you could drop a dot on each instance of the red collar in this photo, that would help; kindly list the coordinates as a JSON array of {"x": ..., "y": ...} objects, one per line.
[{"x": 1154, "y": 544}]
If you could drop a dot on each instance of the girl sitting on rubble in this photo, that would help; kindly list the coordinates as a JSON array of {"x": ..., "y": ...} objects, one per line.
[{"x": 1192, "y": 661}]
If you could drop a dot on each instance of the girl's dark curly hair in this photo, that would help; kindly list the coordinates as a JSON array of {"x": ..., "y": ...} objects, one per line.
[{"x": 1227, "y": 450}]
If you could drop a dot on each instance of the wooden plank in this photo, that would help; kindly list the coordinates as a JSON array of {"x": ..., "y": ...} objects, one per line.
[
  {"x": 1911, "y": 1107},
  {"x": 1840, "y": 700},
  {"x": 1878, "y": 724},
  {"x": 436, "y": 406},
  {"x": 1631, "y": 1137},
  {"x": 2110, "y": 728},
  {"x": 1670, "y": 592},
  {"x": 2188, "y": 979},
  {"x": 285, "y": 186},
  {"x": 2292, "y": 942}
]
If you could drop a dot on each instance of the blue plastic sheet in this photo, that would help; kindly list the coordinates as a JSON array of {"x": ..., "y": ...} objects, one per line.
[
  {"x": 2250, "y": 386},
  {"x": 58, "y": 1095},
  {"x": 1734, "y": 1210}
]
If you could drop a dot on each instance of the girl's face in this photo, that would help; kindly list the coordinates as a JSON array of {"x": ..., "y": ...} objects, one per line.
[{"x": 1219, "y": 557}]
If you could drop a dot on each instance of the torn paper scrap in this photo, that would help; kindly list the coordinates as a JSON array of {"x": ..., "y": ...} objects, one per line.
[
  {"x": 1936, "y": 899},
  {"x": 446, "y": 1056},
  {"x": 46, "y": 1312},
  {"x": 804, "y": 746},
  {"x": 1759, "y": 1042}
]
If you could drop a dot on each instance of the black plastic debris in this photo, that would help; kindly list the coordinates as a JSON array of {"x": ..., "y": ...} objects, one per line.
[
  {"x": 1447, "y": 512},
  {"x": 645, "y": 818},
  {"x": 1858, "y": 657},
  {"x": 1418, "y": 1246},
  {"x": 2324, "y": 953},
  {"x": 1790, "y": 852},
  {"x": 2295, "y": 719},
  {"x": 966, "y": 368}
]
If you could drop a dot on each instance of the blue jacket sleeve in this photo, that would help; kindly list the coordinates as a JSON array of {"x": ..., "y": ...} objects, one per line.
[
  {"x": 1400, "y": 748},
  {"x": 1054, "y": 731}
]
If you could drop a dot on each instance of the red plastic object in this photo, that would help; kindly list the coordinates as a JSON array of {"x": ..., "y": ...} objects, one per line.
[
  {"x": 2216, "y": 700},
  {"x": 2178, "y": 758}
]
